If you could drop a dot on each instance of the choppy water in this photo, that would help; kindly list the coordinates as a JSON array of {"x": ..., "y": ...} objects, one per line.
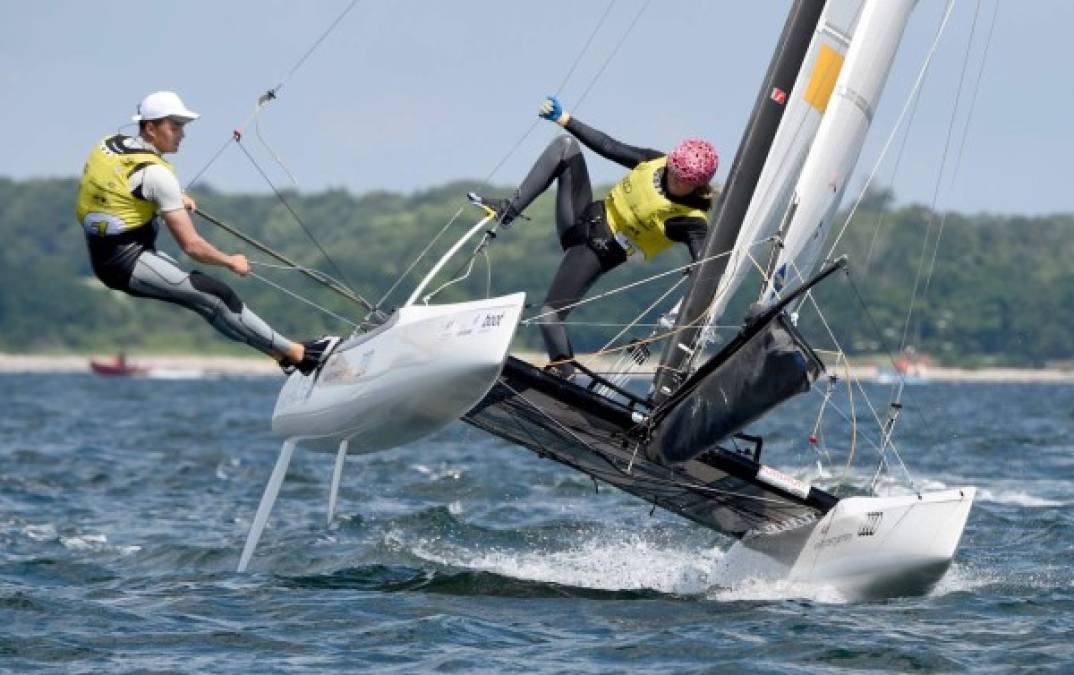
[{"x": 124, "y": 505}]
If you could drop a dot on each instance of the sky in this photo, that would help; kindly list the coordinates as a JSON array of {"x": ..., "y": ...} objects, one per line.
[{"x": 408, "y": 95}]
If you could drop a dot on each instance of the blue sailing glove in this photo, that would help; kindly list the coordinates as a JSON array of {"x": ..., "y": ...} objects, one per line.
[{"x": 552, "y": 110}]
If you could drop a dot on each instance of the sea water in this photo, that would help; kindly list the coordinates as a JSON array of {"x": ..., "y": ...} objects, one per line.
[{"x": 124, "y": 504}]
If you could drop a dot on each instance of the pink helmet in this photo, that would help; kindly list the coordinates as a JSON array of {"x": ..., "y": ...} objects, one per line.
[{"x": 694, "y": 161}]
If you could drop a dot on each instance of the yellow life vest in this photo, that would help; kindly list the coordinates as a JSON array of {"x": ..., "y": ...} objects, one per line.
[
  {"x": 106, "y": 205},
  {"x": 638, "y": 210}
]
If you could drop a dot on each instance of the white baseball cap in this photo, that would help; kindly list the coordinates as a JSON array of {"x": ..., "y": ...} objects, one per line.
[{"x": 161, "y": 104}]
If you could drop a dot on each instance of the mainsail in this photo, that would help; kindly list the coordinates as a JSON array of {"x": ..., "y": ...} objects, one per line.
[
  {"x": 839, "y": 141},
  {"x": 772, "y": 205}
]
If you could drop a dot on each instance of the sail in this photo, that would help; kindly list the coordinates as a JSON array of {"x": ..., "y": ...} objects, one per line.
[
  {"x": 767, "y": 363},
  {"x": 733, "y": 202},
  {"x": 839, "y": 140},
  {"x": 809, "y": 100}
]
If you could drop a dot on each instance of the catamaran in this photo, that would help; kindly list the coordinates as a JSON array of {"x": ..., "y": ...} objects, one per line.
[
  {"x": 408, "y": 375},
  {"x": 690, "y": 445},
  {"x": 685, "y": 447}
]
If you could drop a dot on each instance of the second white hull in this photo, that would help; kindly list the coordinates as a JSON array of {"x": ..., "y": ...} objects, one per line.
[
  {"x": 865, "y": 547},
  {"x": 405, "y": 380}
]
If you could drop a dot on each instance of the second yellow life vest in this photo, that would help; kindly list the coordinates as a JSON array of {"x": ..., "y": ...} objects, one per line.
[
  {"x": 639, "y": 211},
  {"x": 106, "y": 205}
]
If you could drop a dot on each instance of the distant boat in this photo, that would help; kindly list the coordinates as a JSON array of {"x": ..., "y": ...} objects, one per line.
[
  {"x": 117, "y": 366},
  {"x": 911, "y": 368}
]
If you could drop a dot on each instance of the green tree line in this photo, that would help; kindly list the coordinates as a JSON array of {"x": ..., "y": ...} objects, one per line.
[{"x": 990, "y": 290}]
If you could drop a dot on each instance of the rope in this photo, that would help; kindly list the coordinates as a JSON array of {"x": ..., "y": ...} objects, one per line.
[
  {"x": 614, "y": 51},
  {"x": 421, "y": 255},
  {"x": 955, "y": 171},
  {"x": 236, "y": 137},
  {"x": 270, "y": 96},
  {"x": 480, "y": 248},
  {"x": 298, "y": 297},
  {"x": 570, "y": 71},
  {"x": 932, "y": 215},
  {"x": 891, "y": 181},
  {"x": 898, "y": 123},
  {"x": 865, "y": 396},
  {"x": 287, "y": 205}
]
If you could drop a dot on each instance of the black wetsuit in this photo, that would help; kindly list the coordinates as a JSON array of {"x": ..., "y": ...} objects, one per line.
[{"x": 589, "y": 248}]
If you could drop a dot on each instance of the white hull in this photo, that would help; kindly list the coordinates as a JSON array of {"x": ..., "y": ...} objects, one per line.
[
  {"x": 423, "y": 369},
  {"x": 865, "y": 547}
]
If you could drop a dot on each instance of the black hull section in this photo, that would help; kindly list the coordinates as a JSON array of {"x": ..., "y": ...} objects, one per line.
[{"x": 599, "y": 437}]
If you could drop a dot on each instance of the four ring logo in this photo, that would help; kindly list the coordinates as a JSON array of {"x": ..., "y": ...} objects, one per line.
[{"x": 871, "y": 524}]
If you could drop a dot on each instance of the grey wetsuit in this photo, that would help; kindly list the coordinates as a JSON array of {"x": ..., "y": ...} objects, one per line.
[{"x": 129, "y": 262}]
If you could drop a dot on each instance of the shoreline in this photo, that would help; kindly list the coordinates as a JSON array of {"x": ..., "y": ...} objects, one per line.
[{"x": 190, "y": 364}]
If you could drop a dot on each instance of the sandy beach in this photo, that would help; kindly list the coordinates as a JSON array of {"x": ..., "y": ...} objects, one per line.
[
  {"x": 165, "y": 364},
  {"x": 161, "y": 363}
]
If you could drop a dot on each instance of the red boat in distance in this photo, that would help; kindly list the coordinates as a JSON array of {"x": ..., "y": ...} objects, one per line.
[{"x": 117, "y": 366}]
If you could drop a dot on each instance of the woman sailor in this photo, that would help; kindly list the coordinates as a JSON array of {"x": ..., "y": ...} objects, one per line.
[{"x": 663, "y": 200}]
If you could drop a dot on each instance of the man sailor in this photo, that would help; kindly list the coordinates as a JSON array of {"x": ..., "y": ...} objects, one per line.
[{"x": 127, "y": 187}]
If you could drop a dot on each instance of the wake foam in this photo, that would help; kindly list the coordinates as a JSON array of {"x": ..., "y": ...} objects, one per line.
[{"x": 611, "y": 563}]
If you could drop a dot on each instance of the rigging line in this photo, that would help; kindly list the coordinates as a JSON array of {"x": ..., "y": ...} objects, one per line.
[
  {"x": 534, "y": 123},
  {"x": 316, "y": 44},
  {"x": 876, "y": 415},
  {"x": 891, "y": 181},
  {"x": 939, "y": 177},
  {"x": 644, "y": 312},
  {"x": 977, "y": 86},
  {"x": 838, "y": 346},
  {"x": 270, "y": 95},
  {"x": 461, "y": 276},
  {"x": 287, "y": 205},
  {"x": 955, "y": 171},
  {"x": 818, "y": 432},
  {"x": 853, "y": 421},
  {"x": 272, "y": 153},
  {"x": 850, "y": 419},
  {"x": 421, "y": 255},
  {"x": 614, "y": 291},
  {"x": 627, "y": 287},
  {"x": 585, "y": 47},
  {"x": 630, "y": 28},
  {"x": 317, "y": 276},
  {"x": 898, "y": 123},
  {"x": 298, "y": 297}
]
